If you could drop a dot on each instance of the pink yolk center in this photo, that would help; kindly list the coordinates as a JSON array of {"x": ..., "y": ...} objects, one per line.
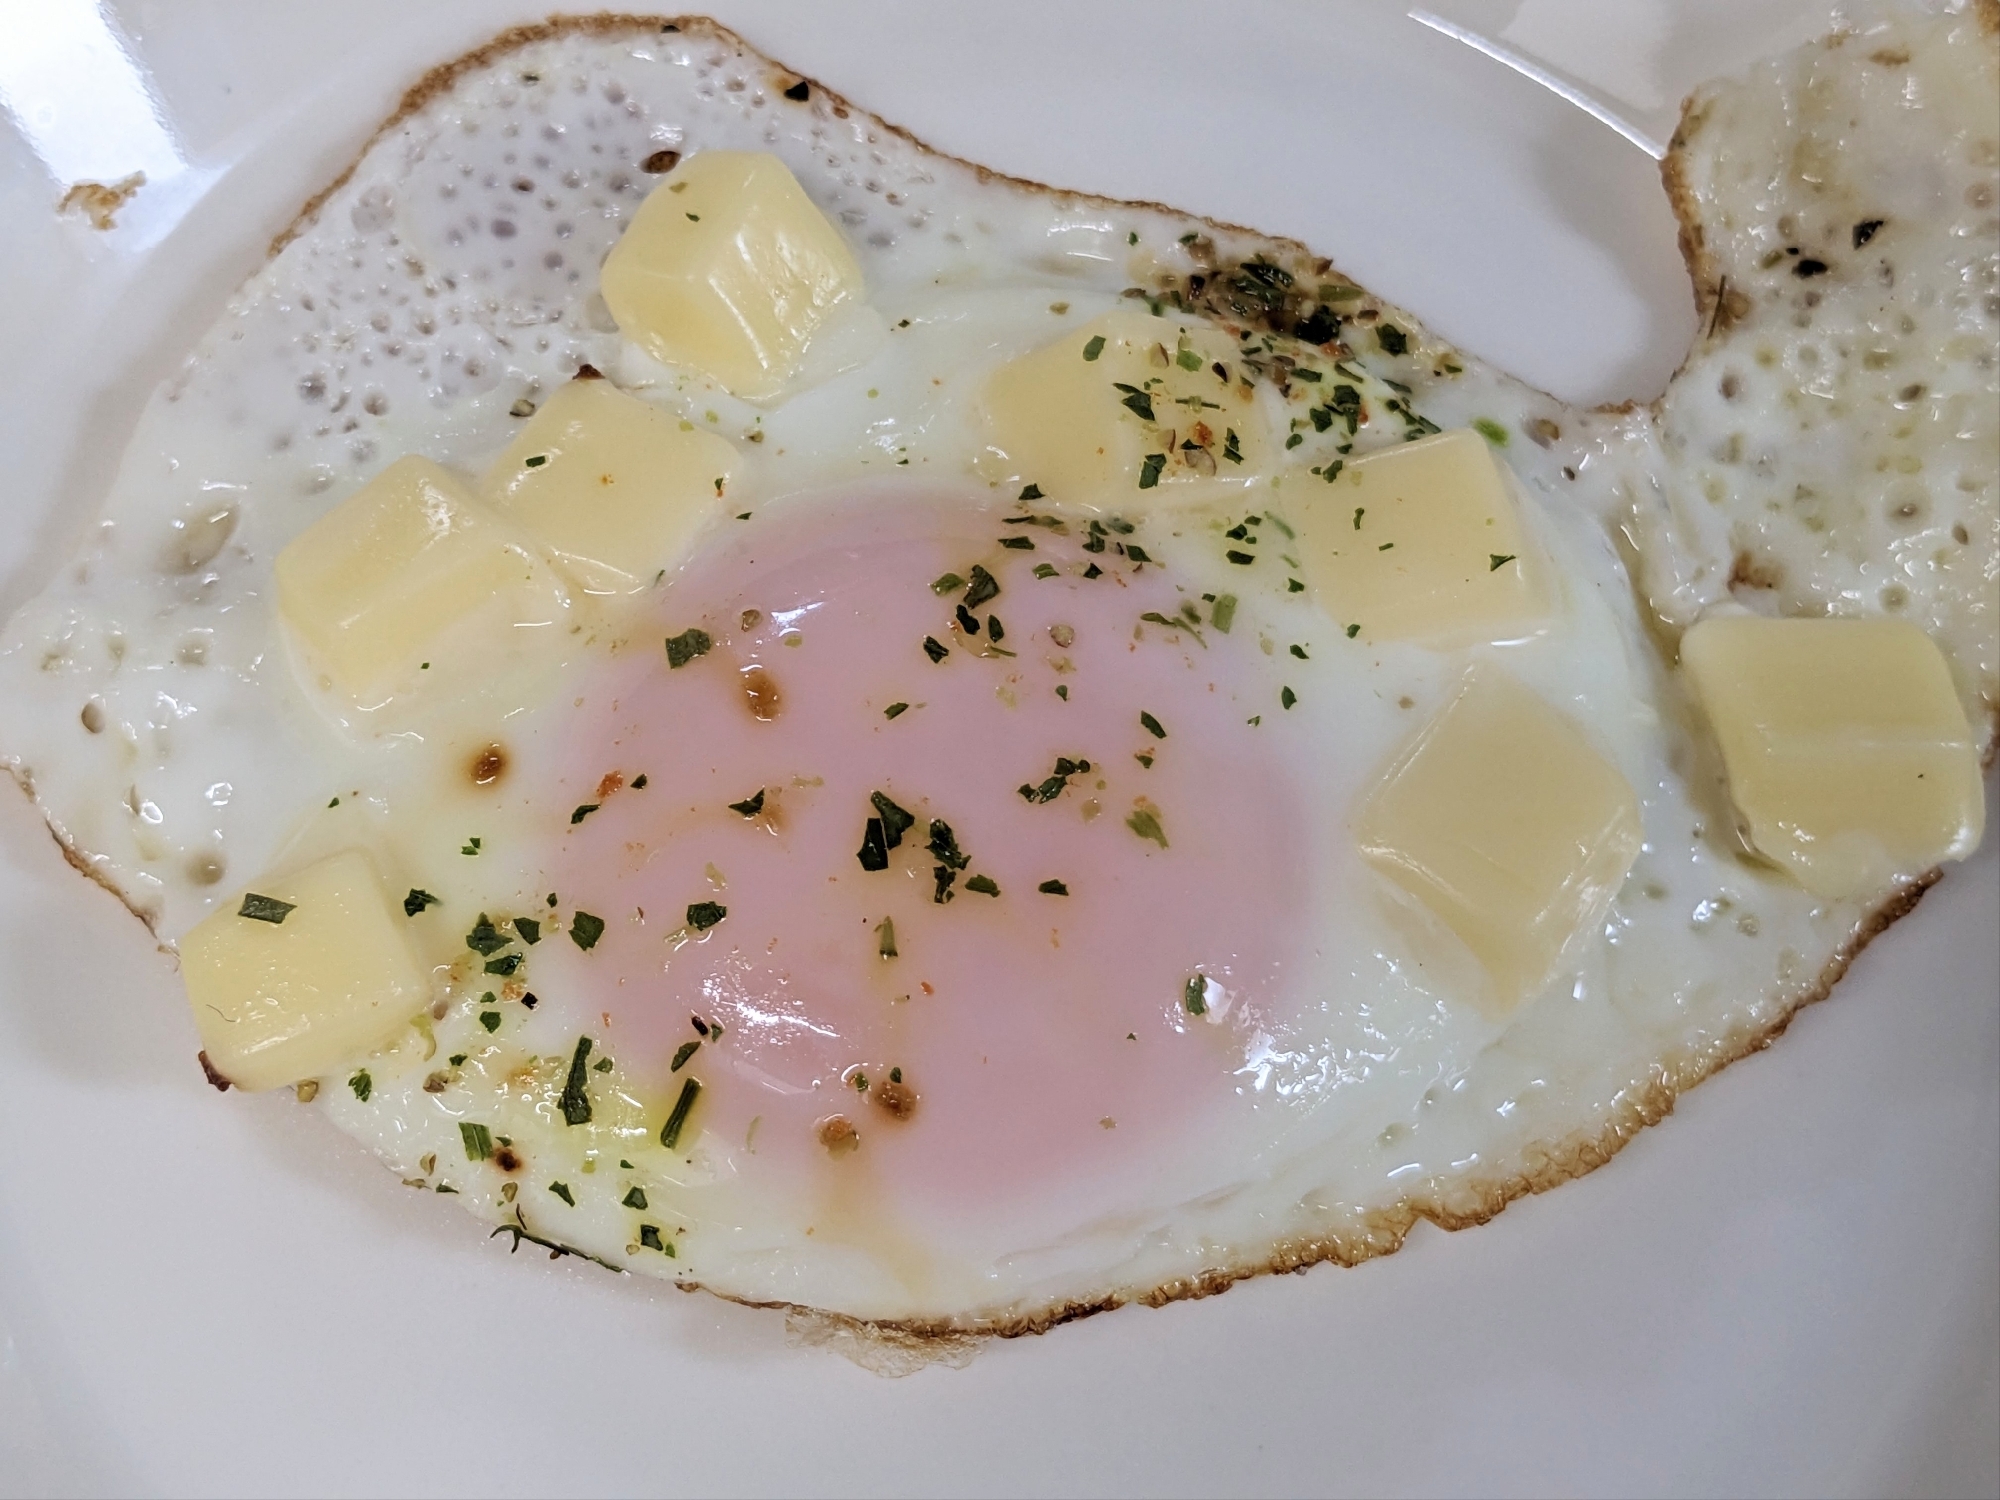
[{"x": 975, "y": 1049}]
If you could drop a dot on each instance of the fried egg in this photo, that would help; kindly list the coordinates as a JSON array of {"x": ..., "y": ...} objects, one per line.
[{"x": 778, "y": 711}]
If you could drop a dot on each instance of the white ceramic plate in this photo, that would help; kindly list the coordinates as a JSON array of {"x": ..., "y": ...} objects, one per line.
[{"x": 1789, "y": 1288}]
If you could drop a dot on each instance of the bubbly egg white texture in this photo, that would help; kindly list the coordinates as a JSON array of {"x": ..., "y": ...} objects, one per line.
[{"x": 1020, "y": 1113}]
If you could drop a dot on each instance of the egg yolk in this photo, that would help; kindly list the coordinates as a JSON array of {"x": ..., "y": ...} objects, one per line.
[{"x": 969, "y": 927}]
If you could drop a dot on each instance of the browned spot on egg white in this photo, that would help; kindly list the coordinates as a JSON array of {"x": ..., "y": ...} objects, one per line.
[
  {"x": 489, "y": 765},
  {"x": 895, "y": 1098},
  {"x": 762, "y": 694},
  {"x": 208, "y": 1071},
  {"x": 506, "y": 1159},
  {"x": 1749, "y": 572},
  {"x": 838, "y": 1135},
  {"x": 661, "y": 161},
  {"x": 612, "y": 781}
]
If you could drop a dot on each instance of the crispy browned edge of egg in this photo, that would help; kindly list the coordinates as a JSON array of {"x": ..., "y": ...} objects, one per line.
[{"x": 1545, "y": 1164}]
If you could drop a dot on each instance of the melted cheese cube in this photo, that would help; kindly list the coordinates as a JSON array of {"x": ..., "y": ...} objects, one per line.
[
  {"x": 728, "y": 267},
  {"x": 1847, "y": 748},
  {"x": 1424, "y": 542},
  {"x": 276, "y": 1002},
  {"x": 409, "y": 570},
  {"x": 614, "y": 487},
  {"x": 1127, "y": 409},
  {"x": 1508, "y": 828}
]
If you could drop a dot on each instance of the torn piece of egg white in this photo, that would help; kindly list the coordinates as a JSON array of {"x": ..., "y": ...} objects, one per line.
[{"x": 795, "y": 920}]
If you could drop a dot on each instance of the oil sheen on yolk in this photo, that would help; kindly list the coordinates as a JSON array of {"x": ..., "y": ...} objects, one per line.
[{"x": 1046, "y": 1037}]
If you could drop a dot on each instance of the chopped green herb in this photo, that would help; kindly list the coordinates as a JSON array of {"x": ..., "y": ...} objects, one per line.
[
  {"x": 1052, "y": 787},
  {"x": 478, "y": 1140},
  {"x": 417, "y": 901},
  {"x": 602, "y": 1065},
  {"x": 1145, "y": 758},
  {"x": 895, "y": 822},
  {"x": 649, "y": 1234},
  {"x": 583, "y": 811},
  {"x": 471, "y": 846},
  {"x": 1500, "y": 560},
  {"x": 457, "y": 1059},
  {"x": 1385, "y": 546},
  {"x": 1017, "y": 543},
  {"x": 860, "y": 1083},
  {"x": 636, "y": 1198},
  {"x": 561, "y": 1189},
  {"x": 750, "y": 806},
  {"x": 1194, "y": 996},
  {"x": 1137, "y": 553},
  {"x": 535, "y": 460},
  {"x": 1232, "y": 447},
  {"x": 1062, "y": 691},
  {"x": 1392, "y": 339},
  {"x": 505, "y": 965},
  {"x": 530, "y": 930},
  {"x": 1149, "y": 470},
  {"x": 995, "y": 630},
  {"x": 1491, "y": 430},
  {"x": 1152, "y": 725},
  {"x": 490, "y": 1019},
  {"x": 1223, "y": 615},
  {"x": 585, "y": 930},
  {"x": 1359, "y": 512},
  {"x": 670, "y": 1133},
  {"x": 685, "y": 647},
  {"x": 334, "y": 803},
  {"x": 893, "y": 711},
  {"x": 639, "y": 782},
  {"x": 943, "y": 845},
  {"x": 1185, "y": 356},
  {"x": 1031, "y": 492},
  {"x": 1053, "y": 888},
  {"x": 1094, "y": 348},
  {"x": 682, "y": 1054},
  {"x": 983, "y": 884},
  {"x": 874, "y": 851},
  {"x": 885, "y": 937},
  {"x": 982, "y": 587},
  {"x": 1300, "y": 653},
  {"x": 703, "y": 915},
  {"x": 1353, "y": 631},
  {"x": 1132, "y": 238},
  {"x": 575, "y": 1101},
  {"x": 485, "y": 939},
  {"x": 1287, "y": 697},
  {"x": 265, "y": 908},
  {"x": 1146, "y": 823},
  {"x": 1045, "y": 570},
  {"x": 1241, "y": 559},
  {"x": 950, "y": 583},
  {"x": 1293, "y": 586},
  {"x": 362, "y": 1085}
]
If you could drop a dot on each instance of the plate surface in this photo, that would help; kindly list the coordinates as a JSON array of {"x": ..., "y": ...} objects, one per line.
[{"x": 1788, "y": 1288}]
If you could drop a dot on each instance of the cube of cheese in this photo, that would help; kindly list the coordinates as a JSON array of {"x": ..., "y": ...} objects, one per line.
[
  {"x": 306, "y": 975},
  {"x": 1127, "y": 410},
  {"x": 728, "y": 267},
  {"x": 1508, "y": 827},
  {"x": 1848, "y": 753},
  {"x": 611, "y": 485},
  {"x": 1424, "y": 542},
  {"x": 409, "y": 570}
]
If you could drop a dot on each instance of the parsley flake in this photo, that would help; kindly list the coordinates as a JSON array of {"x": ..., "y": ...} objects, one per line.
[
  {"x": 417, "y": 901},
  {"x": 1146, "y": 823},
  {"x": 670, "y": 1133},
  {"x": 362, "y": 1085},
  {"x": 1500, "y": 560},
  {"x": 636, "y": 1198},
  {"x": 585, "y": 930},
  {"x": 682, "y": 1054},
  {"x": 950, "y": 583},
  {"x": 685, "y": 647},
  {"x": 983, "y": 884},
  {"x": 575, "y": 1101},
  {"x": 705, "y": 914},
  {"x": 561, "y": 1189},
  {"x": 983, "y": 586},
  {"x": 894, "y": 710},
  {"x": 1287, "y": 697},
  {"x": 478, "y": 1140},
  {"x": 1149, "y": 471},
  {"x": 1094, "y": 348},
  {"x": 265, "y": 908},
  {"x": 583, "y": 811},
  {"x": 1053, "y": 888},
  {"x": 750, "y": 806}
]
